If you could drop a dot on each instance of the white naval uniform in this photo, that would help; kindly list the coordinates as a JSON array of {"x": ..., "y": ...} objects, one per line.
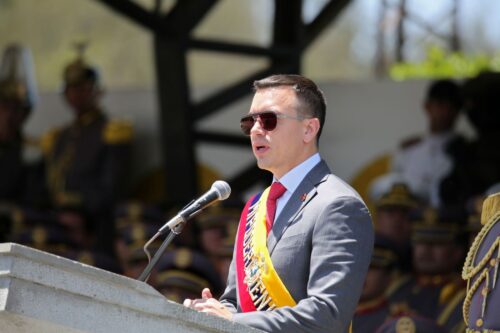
[{"x": 424, "y": 164}]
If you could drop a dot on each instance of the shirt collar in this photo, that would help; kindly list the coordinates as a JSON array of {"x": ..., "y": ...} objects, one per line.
[{"x": 294, "y": 177}]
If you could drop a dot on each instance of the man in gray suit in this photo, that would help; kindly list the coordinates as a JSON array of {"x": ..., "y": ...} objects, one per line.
[{"x": 303, "y": 272}]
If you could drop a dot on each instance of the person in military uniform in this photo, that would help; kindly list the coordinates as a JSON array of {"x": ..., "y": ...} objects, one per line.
[
  {"x": 477, "y": 167},
  {"x": 48, "y": 238},
  {"x": 217, "y": 231},
  {"x": 410, "y": 324},
  {"x": 474, "y": 209},
  {"x": 436, "y": 290},
  {"x": 482, "y": 105},
  {"x": 481, "y": 271},
  {"x": 394, "y": 204},
  {"x": 86, "y": 161},
  {"x": 393, "y": 213},
  {"x": 137, "y": 260},
  {"x": 424, "y": 162},
  {"x": 96, "y": 259},
  {"x": 20, "y": 178},
  {"x": 129, "y": 247},
  {"x": 373, "y": 308},
  {"x": 17, "y": 99},
  {"x": 183, "y": 273}
]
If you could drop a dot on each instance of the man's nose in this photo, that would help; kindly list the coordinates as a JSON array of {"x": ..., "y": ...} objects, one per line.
[{"x": 257, "y": 128}]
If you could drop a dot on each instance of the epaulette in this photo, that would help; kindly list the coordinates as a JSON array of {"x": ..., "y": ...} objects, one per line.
[
  {"x": 454, "y": 300},
  {"x": 450, "y": 289},
  {"x": 17, "y": 217},
  {"x": 118, "y": 132},
  {"x": 371, "y": 306},
  {"x": 86, "y": 258},
  {"x": 68, "y": 199},
  {"x": 481, "y": 269},
  {"x": 411, "y": 141},
  {"x": 399, "y": 283},
  {"x": 491, "y": 207},
  {"x": 48, "y": 140}
]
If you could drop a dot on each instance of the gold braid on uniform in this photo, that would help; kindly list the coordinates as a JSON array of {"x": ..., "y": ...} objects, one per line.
[
  {"x": 48, "y": 140},
  {"x": 118, "y": 132},
  {"x": 469, "y": 270},
  {"x": 57, "y": 167},
  {"x": 57, "y": 170}
]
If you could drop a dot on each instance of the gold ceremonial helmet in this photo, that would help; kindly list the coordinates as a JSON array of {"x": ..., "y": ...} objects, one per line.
[
  {"x": 398, "y": 195},
  {"x": 79, "y": 71},
  {"x": 443, "y": 225}
]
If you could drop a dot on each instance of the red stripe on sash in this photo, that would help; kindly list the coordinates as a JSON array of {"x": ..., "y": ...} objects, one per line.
[{"x": 246, "y": 302}]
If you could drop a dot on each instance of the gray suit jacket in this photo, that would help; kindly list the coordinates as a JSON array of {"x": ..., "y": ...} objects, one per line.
[{"x": 321, "y": 249}]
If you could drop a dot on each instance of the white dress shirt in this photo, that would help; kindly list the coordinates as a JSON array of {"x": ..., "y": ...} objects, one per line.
[{"x": 293, "y": 178}]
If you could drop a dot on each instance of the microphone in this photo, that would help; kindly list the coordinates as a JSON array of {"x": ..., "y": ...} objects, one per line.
[{"x": 220, "y": 190}]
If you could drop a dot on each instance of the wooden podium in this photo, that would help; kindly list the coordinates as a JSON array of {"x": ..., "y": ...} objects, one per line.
[{"x": 41, "y": 292}]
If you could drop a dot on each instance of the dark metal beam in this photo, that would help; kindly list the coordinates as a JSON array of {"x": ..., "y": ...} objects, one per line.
[
  {"x": 288, "y": 31},
  {"x": 139, "y": 15},
  {"x": 327, "y": 15},
  {"x": 238, "y": 48},
  {"x": 175, "y": 120},
  {"x": 234, "y": 92},
  {"x": 186, "y": 14},
  {"x": 287, "y": 25}
]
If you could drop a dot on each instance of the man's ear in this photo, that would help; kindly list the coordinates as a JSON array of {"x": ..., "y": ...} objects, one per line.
[{"x": 311, "y": 129}]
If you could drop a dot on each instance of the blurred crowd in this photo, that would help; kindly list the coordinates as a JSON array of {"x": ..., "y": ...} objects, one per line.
[
  {"x": 64, "y": 194},
  {"x": 427, "y": 212}
]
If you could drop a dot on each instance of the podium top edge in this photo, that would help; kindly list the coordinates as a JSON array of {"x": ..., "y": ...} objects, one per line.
[{"x": 22, "y": 251}]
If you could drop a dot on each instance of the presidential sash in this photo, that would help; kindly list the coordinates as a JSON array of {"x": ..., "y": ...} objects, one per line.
[{"x": 259, "y": 286}]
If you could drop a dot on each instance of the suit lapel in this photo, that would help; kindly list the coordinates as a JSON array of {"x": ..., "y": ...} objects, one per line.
[{"x": 297, "y": 202}]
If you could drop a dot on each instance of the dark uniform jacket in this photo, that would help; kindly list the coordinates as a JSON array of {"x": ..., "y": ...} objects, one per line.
[{"x": 86, "y": 162}]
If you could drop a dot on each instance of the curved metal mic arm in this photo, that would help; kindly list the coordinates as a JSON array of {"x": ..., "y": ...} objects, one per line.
[
  {"x": 220, "y": 190},
  {"x": 173, "y": 231}
]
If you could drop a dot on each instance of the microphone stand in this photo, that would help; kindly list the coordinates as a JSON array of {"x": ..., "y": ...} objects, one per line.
[{"x": 173, "y": 231}]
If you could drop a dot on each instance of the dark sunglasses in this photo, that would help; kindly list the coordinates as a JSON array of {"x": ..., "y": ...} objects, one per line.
[{"x": 267, "y": 120}]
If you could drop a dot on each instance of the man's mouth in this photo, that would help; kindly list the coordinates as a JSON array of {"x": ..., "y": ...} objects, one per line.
[{"x": 260, "y": 148}]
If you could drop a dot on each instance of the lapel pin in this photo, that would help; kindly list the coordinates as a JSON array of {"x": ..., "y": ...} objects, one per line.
[{"x": 303, "y": 197}]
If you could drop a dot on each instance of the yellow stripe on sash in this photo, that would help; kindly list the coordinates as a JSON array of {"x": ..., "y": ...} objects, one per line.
[{"x": 270, "y": 278}]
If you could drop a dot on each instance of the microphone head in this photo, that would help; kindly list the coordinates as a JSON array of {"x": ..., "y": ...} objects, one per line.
[{"x": 222, "y": 189}]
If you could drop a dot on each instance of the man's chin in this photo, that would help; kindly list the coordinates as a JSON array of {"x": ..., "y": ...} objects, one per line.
[{"x": 262, "y": 164}]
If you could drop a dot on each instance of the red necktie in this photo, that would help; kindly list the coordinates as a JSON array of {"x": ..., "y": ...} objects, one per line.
[{"x": 276, "y": 191}]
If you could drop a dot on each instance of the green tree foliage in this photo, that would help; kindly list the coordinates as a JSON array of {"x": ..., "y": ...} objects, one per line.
[{"x": 441, "y": 64}]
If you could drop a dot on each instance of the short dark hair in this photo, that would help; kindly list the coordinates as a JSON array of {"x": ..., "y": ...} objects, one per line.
[
  {"x": 445, "y": 91},
  {"x": 307, "y": 92}
]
